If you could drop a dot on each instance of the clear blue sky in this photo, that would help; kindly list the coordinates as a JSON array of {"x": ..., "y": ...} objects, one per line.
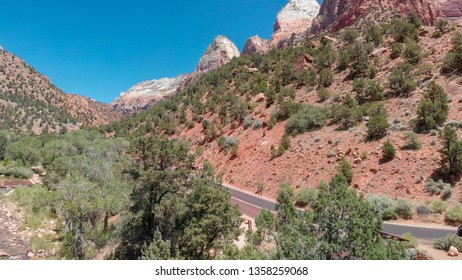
[{"x": 100, "y": 48}]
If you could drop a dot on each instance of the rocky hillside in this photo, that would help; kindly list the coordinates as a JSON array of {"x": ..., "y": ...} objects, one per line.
[
  {"x": 294, "y": 115},
  {"x": 30, "y": 102},
  {"x": 291, "y": 26},
  {"x": 145, "y": 94},
  {"x": 293, "y": 21},
  {"x": 337, "y": 14}
]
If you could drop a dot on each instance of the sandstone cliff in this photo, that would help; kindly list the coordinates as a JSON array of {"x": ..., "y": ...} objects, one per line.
[
  {"x": 148, "y": 93},
  {"x": 292, "y": 21},
  {"x": 337, "y": 14}
]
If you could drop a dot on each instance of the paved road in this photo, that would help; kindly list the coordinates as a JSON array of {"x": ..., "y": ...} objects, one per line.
[{"x": 251, "y": 205}]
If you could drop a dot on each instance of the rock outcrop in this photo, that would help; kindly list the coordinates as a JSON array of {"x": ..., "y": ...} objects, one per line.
[
  {"x": 141, "y": 95},
  {"x": 255, "y": 44},
  {"x": 293, "y": 21},
  {"x": 449, "y": 9},
  {"x": 220, "y": 52},
  {"x": 146, "y": 94},
  {"x": 337, "y": 14}
]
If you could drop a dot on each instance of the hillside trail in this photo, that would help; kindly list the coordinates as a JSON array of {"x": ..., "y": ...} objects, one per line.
[{"x": 12, "y": 242}]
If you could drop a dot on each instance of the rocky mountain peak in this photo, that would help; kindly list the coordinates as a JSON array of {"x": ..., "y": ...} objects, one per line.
[
  {"x": 220, "y": 52},
  {"x": 337, "y": 14},
  {"x": 255, "y": 44},
  {"x": 294, "y": 19},
  {"x": 148, "y": 93}
]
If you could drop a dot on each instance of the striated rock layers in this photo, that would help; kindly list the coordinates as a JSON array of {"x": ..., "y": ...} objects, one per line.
[
  {"x": 148, "y": 93},
  {"x": 255, "y": 44},
  {"x": 449, "y": 9},
  {"x": 293, "y": 21},
  {"x": 337, "y": 14},
  {"x": 145, "y": 93}
]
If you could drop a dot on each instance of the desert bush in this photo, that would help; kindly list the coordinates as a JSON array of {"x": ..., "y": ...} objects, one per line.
[
  {"x": 306, "y": 197},
  {"x": 412, "y": 52},
  {"x": 454, "y": 215},
  {"x": 439, "y": 206},
  {"x": 257, "y": 124},
  {"x": 396, "y": 49},
  {"x": 326, "y": 77},
  {"x": 345, "y": 169},
  {"x": 350, "y": 34},
  {"x": 389, "y": 214},
  {"x": 412, "y": 243},
  {"x": 436, "y": 187},
  {"x": 403, "y": 209},
  {"x": 374, "y": 35},
  {"x": 307, "y": 119},
  {"x": 248, "y": 122},
  {"x": 380, "y": 203},
  {"x": 401, "y": 80},
  {"x": 423, "y": 210},
  {"x": 323, "y": 94},
  {"x": 377, "y": 126},
  {"x": 17, "y": 172},
  {"x": 412, "y": 141},
  {"x": 286, "y": 109},
  {"x": 444, "y": 243},
  {"x": 433, "y": 108}
]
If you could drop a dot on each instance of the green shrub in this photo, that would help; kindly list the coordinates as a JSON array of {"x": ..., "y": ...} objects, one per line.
[
  {"x": 436, "y": 187},
  {"x": 350, "y": 34},
  {"x": 439, "y": 206},
  {"x": 248, "y": 122},
  {"x": 323, "y": 94},
  {"x": 389, "y": 214},
  {"x": 453, "y": 60},
  {"x": 380, "y": 203},
  {"x": 396, "y": 49},
  {"x": 401, "y": 80},
  {"x": 454, "y": 215},
  {"x": 412, "y": 52},
  {"x": 284, "y": 145},
  {"x": 307, "y": 119},
  {"x": 286, "y": 109},
  {"x": 388, "y": 150},
  {"x": 234, "y": 150},
  {"x": 403, "y": 209},
  {"x": 441, "y": 25},
  {"x": 411, "y": 141},
  {"x": 444, "y": 243},
  {"x": 433, "y": 108},
  {"x": 326, "y": 77},
  {"x": 377, "y": 127},
  {"x": 412, "y": 243},
  {"x": 17, "y": 172},
  {"x": 374, "y": 35},
  {"x": 346, "y": 170},
  {"x": 306, "y": 197},
  {"x": 423, "y": 210},
  {"x": 403, "y": 29}
]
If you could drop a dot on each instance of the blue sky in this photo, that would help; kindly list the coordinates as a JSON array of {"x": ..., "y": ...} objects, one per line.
[{"x": 100, "y": 48}]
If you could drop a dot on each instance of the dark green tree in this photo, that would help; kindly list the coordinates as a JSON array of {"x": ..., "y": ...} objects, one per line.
[{"x": 433, "y": 107}]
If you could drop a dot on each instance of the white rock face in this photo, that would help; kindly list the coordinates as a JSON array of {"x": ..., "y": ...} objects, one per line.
[
  {"x": 154, "y": 87},
  {"x": 255, "y": 44},
  {"x": 298, "y": 10},
  {"x": 293, "y": 20},
  {"x": 146, "y": 94},
  {"x": 220, "y": 52}
]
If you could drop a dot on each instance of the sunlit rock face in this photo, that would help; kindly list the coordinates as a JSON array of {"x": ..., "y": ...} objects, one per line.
[{"x": 293, "y": 21}]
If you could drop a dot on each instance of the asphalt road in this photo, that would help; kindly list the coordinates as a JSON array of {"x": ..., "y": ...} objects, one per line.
[{"x": 251, "y": 205}]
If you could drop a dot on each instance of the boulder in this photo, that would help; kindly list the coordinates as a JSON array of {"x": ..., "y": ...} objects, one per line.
[{"x": 453, "y": 252}]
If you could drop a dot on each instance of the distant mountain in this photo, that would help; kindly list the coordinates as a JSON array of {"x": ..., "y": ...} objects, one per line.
[
  {"x": 29, "y": 102},
  {"x": 148, "y": 93}
]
